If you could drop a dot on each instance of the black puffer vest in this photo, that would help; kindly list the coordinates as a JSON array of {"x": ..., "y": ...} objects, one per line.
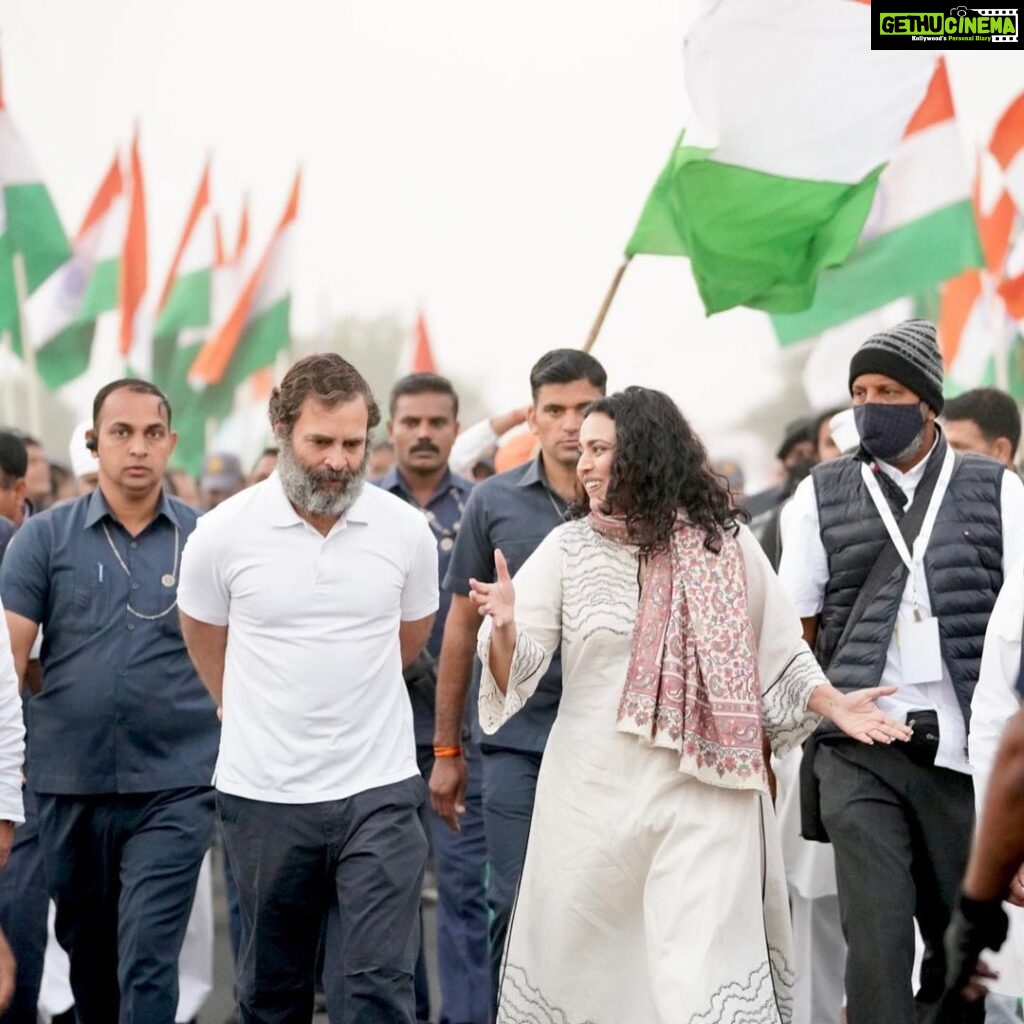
[{"x": 963, "y": 566}]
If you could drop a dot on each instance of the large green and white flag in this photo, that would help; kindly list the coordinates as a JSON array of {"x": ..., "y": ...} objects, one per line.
[
  {"x": 921, "y": 230},
  {"x": 794, "y": 119},
  {"x": 62, "y": 312},
  {"x": 29, "y": 224}
]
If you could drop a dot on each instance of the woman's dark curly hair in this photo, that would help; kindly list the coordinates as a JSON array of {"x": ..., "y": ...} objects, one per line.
[{"x": 659, "y": 467}]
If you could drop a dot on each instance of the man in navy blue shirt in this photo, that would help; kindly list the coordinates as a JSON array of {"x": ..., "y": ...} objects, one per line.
[
  {"x": 123, "y": 735},
  {"x": 423, "y": 423},
  {"x": 513, "y": 511}
]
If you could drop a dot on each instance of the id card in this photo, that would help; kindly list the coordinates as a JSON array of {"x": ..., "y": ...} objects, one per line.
[{"x": 920, "y": 653}]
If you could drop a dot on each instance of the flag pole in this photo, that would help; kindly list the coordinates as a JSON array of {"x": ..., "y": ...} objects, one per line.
[
  {"x": 28, "y": 352},
  {"x": 7, "y": 382},
  {"x": 606, "y": 305}
]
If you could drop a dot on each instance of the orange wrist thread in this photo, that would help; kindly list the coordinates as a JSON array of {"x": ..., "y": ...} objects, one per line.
[{"x": 447, "y": 751}]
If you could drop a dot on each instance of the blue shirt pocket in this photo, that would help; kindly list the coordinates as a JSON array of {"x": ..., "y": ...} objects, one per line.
[{"x": 90, "y": 598}]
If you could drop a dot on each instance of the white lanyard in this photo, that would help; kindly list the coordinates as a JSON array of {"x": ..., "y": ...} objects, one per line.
[{"x": 911, "y": 561}]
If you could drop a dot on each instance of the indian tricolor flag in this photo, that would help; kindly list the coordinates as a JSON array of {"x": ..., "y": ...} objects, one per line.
[
  {"x": 243, "y": 311},
  {"x": 920, "y": 231},
  {"x": 62, "y": 312},
  {"x": 136, "y": 327},
  {"x": 184, "y": 304},
  {"x": 256, "y": 328},
  {"x": 197, "y": 408},
  {"x": 982, "y": 310},
  {"x": 1007, "y": 148},
  {"x": 794, "y": 120},
  {"x": 29, "y": 224}
]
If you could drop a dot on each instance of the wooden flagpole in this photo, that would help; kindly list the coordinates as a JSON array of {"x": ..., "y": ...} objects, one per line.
[
  {"x": 28, "y": 352},
  {"x": 7, "y": 381},
  {"x": 606, "y": 305}
]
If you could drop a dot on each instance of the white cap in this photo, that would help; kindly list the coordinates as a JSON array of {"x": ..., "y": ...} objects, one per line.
[{"x": 83, "y": 462}]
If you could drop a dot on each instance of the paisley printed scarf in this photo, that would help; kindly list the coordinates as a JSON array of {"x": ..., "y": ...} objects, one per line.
[{"x": 692, "y": 683}]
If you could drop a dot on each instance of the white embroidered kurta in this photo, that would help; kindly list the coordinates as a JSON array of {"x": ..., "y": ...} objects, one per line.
[{"x": 646, "y": 897}]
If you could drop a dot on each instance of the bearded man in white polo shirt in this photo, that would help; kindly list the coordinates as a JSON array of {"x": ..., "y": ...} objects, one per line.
[{"x": 301, "y": 599}]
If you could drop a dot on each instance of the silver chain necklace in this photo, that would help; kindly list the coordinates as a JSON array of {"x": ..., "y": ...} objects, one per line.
[
  {"x": 168, "y": 579},
  {"x": 445, "y": 534},
  {"x": 561, "y": 510}
]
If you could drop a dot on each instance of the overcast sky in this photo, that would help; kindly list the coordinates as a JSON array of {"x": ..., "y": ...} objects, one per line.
[{"x": 484, "y": 161}]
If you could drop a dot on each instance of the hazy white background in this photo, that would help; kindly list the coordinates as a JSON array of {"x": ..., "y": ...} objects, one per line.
[{"x": 485, "y": 161}]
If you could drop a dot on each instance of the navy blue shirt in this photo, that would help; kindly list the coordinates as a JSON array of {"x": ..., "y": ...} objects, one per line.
[
  {"x": 121, "y": 709},
  {"x": 513, "y": 511},
  {"x": 7, "y": 532},
  {"x": 444, "y": 517}
]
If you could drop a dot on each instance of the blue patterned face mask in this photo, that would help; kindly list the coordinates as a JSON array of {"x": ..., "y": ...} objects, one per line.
[{"x": 887, "y": 431}]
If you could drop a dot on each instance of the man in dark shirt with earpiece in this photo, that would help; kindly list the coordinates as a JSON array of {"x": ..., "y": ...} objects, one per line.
[{"x": 123, "y": 733}]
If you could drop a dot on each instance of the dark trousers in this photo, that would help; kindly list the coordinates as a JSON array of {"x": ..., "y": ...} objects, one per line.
[
  {"x": 366, "y": 855},
  {"x": 23, "y": 908},
  {"x": 234, "y": 914},
  {"x": 460, "y": 866},
  {"x": 122, "y": 870},
  {"x": 460, "y": 863},
  {"x": 510, "y": 785},
  {"x": 901, "y": 834}
]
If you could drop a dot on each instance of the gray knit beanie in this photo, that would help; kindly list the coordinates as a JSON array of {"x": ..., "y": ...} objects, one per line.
[{"x": 909, "y": 354}]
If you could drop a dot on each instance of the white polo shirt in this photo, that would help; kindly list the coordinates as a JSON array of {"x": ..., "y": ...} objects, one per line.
[{"x": 315, "y": 707}]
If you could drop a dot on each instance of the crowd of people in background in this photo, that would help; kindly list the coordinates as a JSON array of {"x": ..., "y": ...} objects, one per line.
[{"x": 663, "y": 751}]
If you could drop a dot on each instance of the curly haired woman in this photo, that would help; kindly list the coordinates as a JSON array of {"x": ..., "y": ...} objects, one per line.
[{"x": 653, "y": 890}]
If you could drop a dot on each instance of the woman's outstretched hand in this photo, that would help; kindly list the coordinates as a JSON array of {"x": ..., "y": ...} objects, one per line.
[
  {"x": 858, "y": 716},
  {"x": 497, "y": 599}
]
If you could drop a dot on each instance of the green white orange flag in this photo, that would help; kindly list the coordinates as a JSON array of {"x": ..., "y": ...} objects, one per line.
[
  {"x": 921, "y": 230},
  {"x": 136, "y": 342},
  {"x": 794, "y": 118},
  {"x": 256, "y": 328},
  {"x": 29, "y": 223},
  {"x": 193, "y": 407},
  {"x": 1006, "y": 147},
  {"x": 63, "y": 310},
  {"x": 184, "y": 303},
  {"x": 982, "y": 313}
]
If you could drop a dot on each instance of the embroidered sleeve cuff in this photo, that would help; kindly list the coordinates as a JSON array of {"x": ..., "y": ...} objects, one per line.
[
  {"x": 528, "y": 665},
  {"x": 787, "y": 721}
]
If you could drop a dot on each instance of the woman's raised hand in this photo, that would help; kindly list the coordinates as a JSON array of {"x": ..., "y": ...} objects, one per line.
[{"x": 497, "y": 599}]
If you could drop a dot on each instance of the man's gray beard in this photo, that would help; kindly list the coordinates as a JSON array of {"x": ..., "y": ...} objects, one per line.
[
  {"x": 300, "y": 484},
  {"x": 914, "y": 448}
]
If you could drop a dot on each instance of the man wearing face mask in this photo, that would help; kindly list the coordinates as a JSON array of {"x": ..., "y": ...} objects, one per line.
[{"x": 894, "y": 560}]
